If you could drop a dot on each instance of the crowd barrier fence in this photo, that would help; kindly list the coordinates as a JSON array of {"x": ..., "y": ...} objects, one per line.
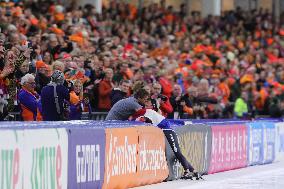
[{"x": 117, "y": 154}]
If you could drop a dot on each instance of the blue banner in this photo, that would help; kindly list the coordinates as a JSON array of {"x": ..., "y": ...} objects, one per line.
[
  {"x": 261, "y": 140},
  {"x": 86, "y": 157},
  {"x": 255, "y": 143},
  {"x": 269, "y": 134}
]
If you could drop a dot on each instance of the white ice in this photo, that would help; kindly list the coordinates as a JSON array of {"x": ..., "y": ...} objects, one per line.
[{"x": 269, "y": 176}]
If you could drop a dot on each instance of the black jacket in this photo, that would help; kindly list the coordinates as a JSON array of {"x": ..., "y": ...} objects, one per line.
[{"x": 116, "y": 95}]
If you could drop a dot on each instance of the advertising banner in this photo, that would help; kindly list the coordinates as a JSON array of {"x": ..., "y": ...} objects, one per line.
[
  {"x": 121, "y": 158},
  {"x": 229, "y": 148},
  {"x": 46, "y": 157},
  {"x": 195, "y": 143},
  {"x": 175, "y": 168},
  {"x": 152, "y": 165},
  {"x": 268, "y": 142},
  {"x": 255, "y": 143},
  {"x": 86, "y": 158},
  {"x": 11, "y": 159},
  {"x": 279, "y": 143}
]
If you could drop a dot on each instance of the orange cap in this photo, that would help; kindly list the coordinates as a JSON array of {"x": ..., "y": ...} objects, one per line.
[{"x": 40, "y": 64}]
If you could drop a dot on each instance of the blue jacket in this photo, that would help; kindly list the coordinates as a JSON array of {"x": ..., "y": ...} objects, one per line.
[{"x": 49, "y": 112}]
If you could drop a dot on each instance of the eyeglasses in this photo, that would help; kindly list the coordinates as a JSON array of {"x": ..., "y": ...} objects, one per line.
[{"x": 31, "y": 83}]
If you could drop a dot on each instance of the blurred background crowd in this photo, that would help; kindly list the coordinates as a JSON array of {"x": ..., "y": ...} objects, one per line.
[{"x": 215, "y": 67}]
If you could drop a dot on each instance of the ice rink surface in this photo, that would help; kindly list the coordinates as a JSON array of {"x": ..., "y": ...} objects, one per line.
[{"x": 270, "y": 176}]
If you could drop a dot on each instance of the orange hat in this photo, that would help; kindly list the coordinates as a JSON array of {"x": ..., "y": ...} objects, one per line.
[
  {"x": 76, "y": 38},
  {"x": 17, "y": 11},
  {"x": 57, "y": 31},
  {"x": 34, "y": 21},
  {"x": 40, "y": 64}
]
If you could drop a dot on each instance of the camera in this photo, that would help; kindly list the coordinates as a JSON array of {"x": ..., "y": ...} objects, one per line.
[{"x": 162, "y": 97}]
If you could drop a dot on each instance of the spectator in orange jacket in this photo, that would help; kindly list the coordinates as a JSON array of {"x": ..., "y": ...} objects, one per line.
[
  {"x": 105, "y": 88},
  {"x": 28, "y": 98}
]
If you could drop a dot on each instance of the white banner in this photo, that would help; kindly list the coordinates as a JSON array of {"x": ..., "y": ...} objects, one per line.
[
  {"x": 279, "y": 143},
  {"x": 11, "y": 159},
  {"x": 46, "y": 158}
]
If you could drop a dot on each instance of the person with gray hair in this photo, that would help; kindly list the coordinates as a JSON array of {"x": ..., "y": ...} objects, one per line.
[
  {"x": 28, "y": 99},
  {"x": 53, "y": 98}
]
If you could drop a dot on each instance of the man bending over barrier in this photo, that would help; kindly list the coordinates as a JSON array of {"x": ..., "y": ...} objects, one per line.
[{"x": 133, "y": 107}]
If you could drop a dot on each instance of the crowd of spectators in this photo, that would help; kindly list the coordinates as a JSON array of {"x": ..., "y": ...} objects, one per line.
[{"x": 215, "y": 67}]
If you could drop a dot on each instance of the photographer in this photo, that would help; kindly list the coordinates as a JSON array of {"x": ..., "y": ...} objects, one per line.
[
  {"x": 180, "y": 103},
  {"x": 160, "y": 103}
]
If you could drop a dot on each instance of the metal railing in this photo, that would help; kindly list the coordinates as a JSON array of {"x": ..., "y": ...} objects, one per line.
[{"x": 99, "y": 116}]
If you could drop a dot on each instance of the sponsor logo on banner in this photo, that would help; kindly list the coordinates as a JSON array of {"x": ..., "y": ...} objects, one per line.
[
  {"x": 121, "y": 158},
  {"x": 279, "y": 146},
  {"x": 9, "y": 169},
  {"x": 261, "y": 137},
  {"x": 45, "y": 159},
  {"x": 46, "y": 167},
  {"x": 11, "y": 159},
  {"x": 88, "y": 163},
  {"x": 268, "y": 142},
  {"x": 255, "y": 145},
  {"x": 86, "y": 157},
  {"x": 152, "y": 167},
  {"x": 229, "y": 146},
  {"x": 151, "y": 159}
]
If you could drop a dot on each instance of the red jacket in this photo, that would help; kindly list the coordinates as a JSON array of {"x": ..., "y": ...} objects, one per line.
[
  {"x": 166, "y": 86},
  {"x": 166, "y": 108},
  {"x": 105, "y": 89}
]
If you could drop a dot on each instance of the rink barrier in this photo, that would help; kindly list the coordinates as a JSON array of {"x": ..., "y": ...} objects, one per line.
[
  {"x": 279, "y": 143},
  {"x": 33, "y": 158},
  {"x": 94, "y": 151},
  {"x": 86, "y": 157},
  {"x": 195, "y": 144},
  {"x": 261, "y": 141},
  {"x": 229, "y": 148}
]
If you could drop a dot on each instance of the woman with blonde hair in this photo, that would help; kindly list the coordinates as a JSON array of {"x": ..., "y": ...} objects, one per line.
[{"x": 76, "y": 100}]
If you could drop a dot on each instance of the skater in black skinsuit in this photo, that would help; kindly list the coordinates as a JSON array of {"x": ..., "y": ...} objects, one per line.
[{"x": 151, "y": 116}]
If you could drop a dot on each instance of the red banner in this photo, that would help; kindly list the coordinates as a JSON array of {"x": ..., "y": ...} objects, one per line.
[{"x": 229, "y": 148}]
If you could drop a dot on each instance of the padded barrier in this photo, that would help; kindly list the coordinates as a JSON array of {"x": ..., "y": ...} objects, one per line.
[
  {"x": 136, "y": 153},
  {"x": 279, "y": 143},
  {"x": 33, "y": 158},
  {"x": 261, "y": 141},
  {"x": 229, "y": 148},
  {"x": 195, "y": 143},
  {"x": 86, "y": 152},
  {"x": 115, "y": 154}
]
